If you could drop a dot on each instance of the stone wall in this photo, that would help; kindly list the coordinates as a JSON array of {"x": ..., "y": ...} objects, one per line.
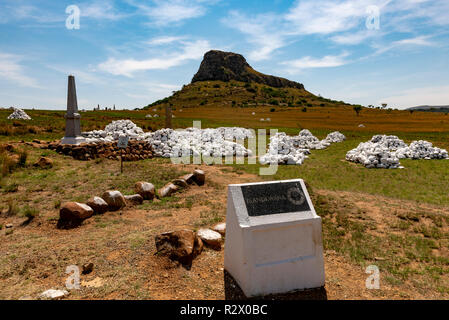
[{"x": 136, "y": 150}]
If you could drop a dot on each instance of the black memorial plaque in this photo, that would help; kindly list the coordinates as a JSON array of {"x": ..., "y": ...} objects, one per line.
[{"x": 274, "y": 198}]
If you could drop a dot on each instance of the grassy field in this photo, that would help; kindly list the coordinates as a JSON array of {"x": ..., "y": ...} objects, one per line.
[{"x": 396, "y": 219}]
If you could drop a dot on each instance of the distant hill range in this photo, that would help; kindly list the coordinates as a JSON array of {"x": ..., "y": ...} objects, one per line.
[
  {"x": 226, "y": 79},
  {"x": 430, "y": 108}
]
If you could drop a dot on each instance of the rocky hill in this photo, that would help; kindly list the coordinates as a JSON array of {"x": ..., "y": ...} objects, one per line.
[
  {"x": 226, "y": 79},
  {"x": 226, "y": 66}
]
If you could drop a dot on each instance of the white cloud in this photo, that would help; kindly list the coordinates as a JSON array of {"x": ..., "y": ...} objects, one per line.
[
  {"x": 404, "y": 43},
  {"x": 166, "y": 12},
  {"x": 262, "y": 31},
  {"x": 310, "y": 62},
  {"x": 164, "y": 40},
  {"x": 438, "y": 95},
  {"x": 12, "y": 70},
  {"x": 325, "y": 17},
  {"x": 126, "y": 67},
  {"x": 100, "y": 9}
]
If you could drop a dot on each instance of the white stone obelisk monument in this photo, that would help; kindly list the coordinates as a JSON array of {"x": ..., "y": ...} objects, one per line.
[{"x": 72, "y": 117}]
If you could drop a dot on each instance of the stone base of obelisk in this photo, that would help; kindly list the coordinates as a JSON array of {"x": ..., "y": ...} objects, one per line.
[{"x": 73, "y": 140}]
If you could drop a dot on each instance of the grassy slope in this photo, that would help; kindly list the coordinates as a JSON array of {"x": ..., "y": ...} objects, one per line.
[{"x": 240, "y": 94}]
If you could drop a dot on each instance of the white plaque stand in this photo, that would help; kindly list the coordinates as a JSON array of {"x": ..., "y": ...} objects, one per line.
[{"x": 274, "y": 253}]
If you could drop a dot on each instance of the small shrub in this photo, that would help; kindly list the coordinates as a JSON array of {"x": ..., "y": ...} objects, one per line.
[
  {"x": 29, "y": 213},
  {"x": 274, "y": 102},
  {"x": 11, "y": 188},
  {"x": 272, "y": 110},
  {"x": 57, "y": 204},
  {"x": 23, "y": 155},
  {"x": 7, "y": 164},
  {"x": 304, "y": 109},
  {"x": 12, "y": 208}
]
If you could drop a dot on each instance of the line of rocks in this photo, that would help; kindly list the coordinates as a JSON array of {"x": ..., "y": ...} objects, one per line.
[
  {"x": 136, "y": 150},
  {"x": 72, "y": 214}
]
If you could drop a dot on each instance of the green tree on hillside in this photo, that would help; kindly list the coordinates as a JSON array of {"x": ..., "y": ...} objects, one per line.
[{"x": 357, "y": 109}]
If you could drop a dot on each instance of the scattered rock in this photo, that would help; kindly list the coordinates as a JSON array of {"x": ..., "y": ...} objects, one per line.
[
  {"x": 145, "y": 189},
  {"x": 27, "y": 297},
  {"x": 182, "y": 246},
  {"x": 189, "y": 178},
  {"x": 53, "y": 294},
  {"x": 210, "y": 238},
  {"x": 72, "y": 214},
  {"x": 134, "y": 199},
  {"x": 181, "y": 183},
  {"x": 88, "y": 268},
  {"x": 98, "y": 205},
  {"x": 199, "y": 177},
  {"x": 220, "y": 228},
  {"x": 9, "y": 225},
  {"x": 167, "y": 190},
  {"x": 44, "y": 163},
  {"x": 114, "y": 199}
]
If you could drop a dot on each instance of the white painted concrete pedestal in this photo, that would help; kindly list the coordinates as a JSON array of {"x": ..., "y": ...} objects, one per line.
[{"x": 274, "y": 253}]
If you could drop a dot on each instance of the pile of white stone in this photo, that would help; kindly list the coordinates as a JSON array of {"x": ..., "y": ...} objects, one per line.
[
  {"x": 284, "y": 149},
  {"x": 194, "y": 142},
  {"x": 422, "y": 150},
  {"x": 384, "y": 151},
  {"x": 113, "y": 131},
  {"x": 19, "y": 114}
]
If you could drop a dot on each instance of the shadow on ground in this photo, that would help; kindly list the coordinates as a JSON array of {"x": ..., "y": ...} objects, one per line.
[{"x": 233, "y": 292}]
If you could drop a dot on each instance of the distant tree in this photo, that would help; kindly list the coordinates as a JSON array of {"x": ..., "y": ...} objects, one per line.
[
  {"x": 272, "y": 110},
  {"x": 411, "y": 111},
  {"x": 384, "y": 105},
  {"x": 304, "y": 109},
  {"x": 357, "y": 110}
]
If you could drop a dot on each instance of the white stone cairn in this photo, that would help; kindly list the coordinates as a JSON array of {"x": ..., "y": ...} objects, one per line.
[
  {"x": 284, "y": 149},
  {"x": 384, "y": 151},
  {"x": 19, "y": 114}
]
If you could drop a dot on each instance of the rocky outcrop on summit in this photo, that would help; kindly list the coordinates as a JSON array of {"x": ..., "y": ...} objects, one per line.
[{"x": 226, "y": 66}]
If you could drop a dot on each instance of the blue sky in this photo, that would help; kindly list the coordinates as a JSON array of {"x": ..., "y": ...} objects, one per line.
[{"x": 133, "y": 52}]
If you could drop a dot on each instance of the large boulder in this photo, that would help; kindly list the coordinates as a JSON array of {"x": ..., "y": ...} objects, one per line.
[
  {"x": 220, "y": 228},
  {"x": 167, "y": 190},
  {"x": 72, "y": 214},
  {"x": 134, "y": 199},
  {"x": 199, "y": 177},
  {"x": 98, "y": 205},
  {"x": 114, "y": 199},
  {"x": 189, "y": 178},
  {"x": 211, "y": 238},
  {"x": 181, "y": 183},
  {"x": 182, "y": 246},
  {"x": 44, "y": 163},
  {"x": 145, "y": 189}
]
